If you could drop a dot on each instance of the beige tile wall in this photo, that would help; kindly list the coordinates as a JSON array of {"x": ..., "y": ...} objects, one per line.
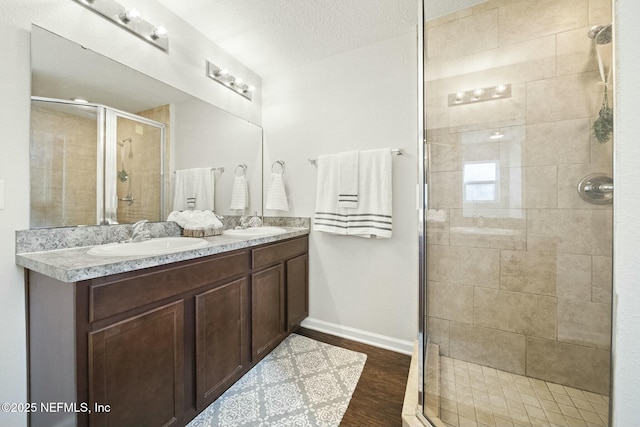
[
  {"x": 522, "y": 283},
  {"x": 62, "y": 168}
]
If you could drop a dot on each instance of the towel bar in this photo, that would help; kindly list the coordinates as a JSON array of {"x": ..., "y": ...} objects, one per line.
[
  {"x": 396, "y": 151},
  {"x": 221, "y": 169}
]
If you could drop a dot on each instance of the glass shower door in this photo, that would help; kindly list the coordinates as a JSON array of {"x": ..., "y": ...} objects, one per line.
[
  {"x": 65, "y": 159},
  {"x": 517, "y": 286},
  {"x": 134, "y": 153}
]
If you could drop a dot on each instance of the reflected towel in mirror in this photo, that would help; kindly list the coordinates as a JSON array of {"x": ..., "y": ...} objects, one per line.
[
  {"x": 194, "y": 189},
  {"x": 239, "y": 193}
]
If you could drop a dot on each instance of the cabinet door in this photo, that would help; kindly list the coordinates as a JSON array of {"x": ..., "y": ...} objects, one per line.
[
  {"x": 222, "y": 339},
  {"x": 297, "y": 290},
  {"x": 136, "y": 367},
  {"x": 267, "y": 315}
]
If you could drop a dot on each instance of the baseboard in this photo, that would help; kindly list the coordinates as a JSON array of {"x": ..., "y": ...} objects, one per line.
[{"x": 370, "y": 338}]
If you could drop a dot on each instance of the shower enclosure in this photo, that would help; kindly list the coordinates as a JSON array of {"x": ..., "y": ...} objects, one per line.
[
  {"x": 91, "y": 164},
  {"x": 516, "y": 225}
]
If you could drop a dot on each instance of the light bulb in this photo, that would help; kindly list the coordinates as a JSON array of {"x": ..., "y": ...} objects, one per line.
[
  {"x": 158, "y": 32},
  {"x": 238, "y": 82},
  {"x": 129, "y": 16},
  {"x": 477, "y": 93}
]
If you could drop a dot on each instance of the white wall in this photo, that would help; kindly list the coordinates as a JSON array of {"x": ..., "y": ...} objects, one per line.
[
  {"x": 183, "y": 68},
  {"x": 361, "y": 99},
  {"x": 626, "y": 240}
]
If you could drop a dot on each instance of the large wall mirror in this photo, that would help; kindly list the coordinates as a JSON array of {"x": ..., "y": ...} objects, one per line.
[{"x": 113, "y": 159}]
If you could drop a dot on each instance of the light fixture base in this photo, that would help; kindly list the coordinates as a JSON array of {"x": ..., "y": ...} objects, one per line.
[
  {"x": 119, "y": 15},
  {"x": 222, "y": 76},
  {"x": 490, "y": 93}
]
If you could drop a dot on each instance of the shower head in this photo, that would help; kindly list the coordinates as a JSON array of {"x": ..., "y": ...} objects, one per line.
[
  {"x": 121, "y": 143},
  {"x": 601, "y": 33}
]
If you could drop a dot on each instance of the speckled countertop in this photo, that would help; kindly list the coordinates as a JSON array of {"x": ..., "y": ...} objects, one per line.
[{"x": 75, "y": 264}]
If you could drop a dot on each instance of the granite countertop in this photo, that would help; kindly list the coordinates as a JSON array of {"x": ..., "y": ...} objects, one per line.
[{"x": 75, "y": 264}]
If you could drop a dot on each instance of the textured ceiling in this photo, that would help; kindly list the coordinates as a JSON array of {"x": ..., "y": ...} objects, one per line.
[{"x": 271, "y": 35}]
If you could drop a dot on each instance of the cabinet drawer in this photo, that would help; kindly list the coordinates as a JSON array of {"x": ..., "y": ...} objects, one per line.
[
  {"x": 270, "y": 254},
  {"x": 117, "y": 296}
]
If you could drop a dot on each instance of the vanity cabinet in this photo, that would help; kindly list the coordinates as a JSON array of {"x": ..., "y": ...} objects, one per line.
[
  {"x": 297, "y": 290},
  {"x": 222, "y": 339},
  {"x": 136, "y": 367},
  {"x": 268, "y": 327},
  {"x": 270, "y": 290},
  {"x": 155, "y": 347}
]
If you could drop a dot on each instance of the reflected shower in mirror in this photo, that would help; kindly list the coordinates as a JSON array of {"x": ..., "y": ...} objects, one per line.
[{"x": 104, "y": 162}]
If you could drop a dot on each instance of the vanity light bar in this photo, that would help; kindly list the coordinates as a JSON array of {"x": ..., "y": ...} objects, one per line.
[
  {"x": 222, "y": 76},
  {"x": 480, "y": 94},
  {"x": 131, "y": 20}
]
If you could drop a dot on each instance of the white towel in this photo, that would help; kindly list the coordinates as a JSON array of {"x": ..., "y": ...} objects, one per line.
[
  {"x": 277, "y": 197},
  {"x": 195, "y": 219},
  {"x": 194, "y": 189},
  {"x": 373, "y": 216},
  {"x": 239, "y": 193},
  {"x": 348, "y": 179}
]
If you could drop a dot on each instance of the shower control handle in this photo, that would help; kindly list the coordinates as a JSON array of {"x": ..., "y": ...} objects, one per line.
[
  {"x": 596, "y": 188},
  {"x": 599, "y": 188}
]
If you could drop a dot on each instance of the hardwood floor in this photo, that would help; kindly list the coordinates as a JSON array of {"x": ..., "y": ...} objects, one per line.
[{"x": 377, "y": 400}]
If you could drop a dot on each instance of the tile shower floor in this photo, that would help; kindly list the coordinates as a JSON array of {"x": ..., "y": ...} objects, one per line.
[{"x": 478, "y": 396}]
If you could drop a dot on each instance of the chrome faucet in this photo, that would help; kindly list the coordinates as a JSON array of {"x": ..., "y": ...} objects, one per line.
[{"x": 138, "y": 233}]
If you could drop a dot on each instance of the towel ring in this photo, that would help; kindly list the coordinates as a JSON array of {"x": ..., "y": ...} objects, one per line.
[
  {"x": 243, "y": 170},
  {"x": 278, "y": 162}
]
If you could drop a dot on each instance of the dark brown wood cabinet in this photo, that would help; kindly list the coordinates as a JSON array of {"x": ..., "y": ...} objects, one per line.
[
  {"x": 156, "y": 346},
  {"x": 267, "y": 310},
  {"x": 222, "y": 339},
  {"x": 138, "y": 363},
  {"x": 297, "y": 290}
]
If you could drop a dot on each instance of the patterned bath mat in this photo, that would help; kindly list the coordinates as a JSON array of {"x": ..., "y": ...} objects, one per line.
[{"x": 302, "y": 383}]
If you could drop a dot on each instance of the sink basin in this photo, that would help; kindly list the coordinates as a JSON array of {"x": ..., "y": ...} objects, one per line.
[
  {"x": 159, "y": 246},
  {"x": 255, "y": 231}
]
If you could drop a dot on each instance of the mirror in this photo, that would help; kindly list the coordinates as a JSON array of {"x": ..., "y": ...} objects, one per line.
[{"x": 105, "y": 161}]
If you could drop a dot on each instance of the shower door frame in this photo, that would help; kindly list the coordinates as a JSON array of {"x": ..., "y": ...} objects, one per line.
[{"x": 422, "y": 199}]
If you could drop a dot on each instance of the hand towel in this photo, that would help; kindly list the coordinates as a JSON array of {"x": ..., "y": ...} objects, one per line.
[
  {"x": 348, "y": 179},
  {"x": 373, "y": 216},
  {"x": 239, "y": 193},
  {"x": 194, "y": 189},
  {"x": 277, "y": 197}
]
